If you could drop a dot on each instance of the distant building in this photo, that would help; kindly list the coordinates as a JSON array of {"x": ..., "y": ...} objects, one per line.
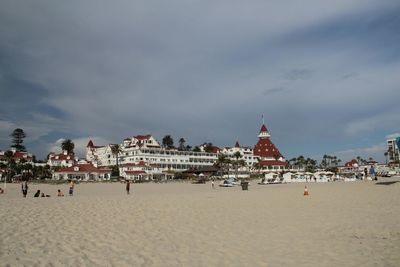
[
  {"x": 267, "y": 154},
  {"x": 18, "y": 156},
  {"x": 349, "y": 167},
  {"x": 393, "y": 150},
  {"x": 246, "y": 154},
  {"x": 142, "y": 156},
  {"x": 61, "y": 160},
  {"x": 147, "y": 149},
  {"x": 100, "y": 155},
  {"x": 82, "y": 172},
  {"x": 142, "y": 171}
]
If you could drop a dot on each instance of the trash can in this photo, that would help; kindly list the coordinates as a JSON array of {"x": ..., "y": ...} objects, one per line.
[{"x": 245, "y": 185}]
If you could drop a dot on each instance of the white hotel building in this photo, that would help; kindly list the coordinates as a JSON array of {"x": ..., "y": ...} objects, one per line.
[
  {"x": 393, "y": 150},
  {"x": 146, "y": 149}
]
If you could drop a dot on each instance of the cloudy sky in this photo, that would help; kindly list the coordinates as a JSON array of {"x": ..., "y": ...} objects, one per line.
[{"x": 325, "y": 74}]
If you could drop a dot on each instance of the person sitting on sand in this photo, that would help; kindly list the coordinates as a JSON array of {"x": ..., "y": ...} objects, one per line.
[
  {"x": 59, "y": 193},
  {"x": 37, "y": 194}
]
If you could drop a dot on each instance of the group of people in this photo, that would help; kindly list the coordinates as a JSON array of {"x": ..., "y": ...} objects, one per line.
[
  {"x": 371, "y": 173},
  {"x": 24, "y": 189}
]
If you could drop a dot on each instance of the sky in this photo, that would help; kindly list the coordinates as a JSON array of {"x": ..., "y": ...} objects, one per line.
[{"x": 324, "y": 74}]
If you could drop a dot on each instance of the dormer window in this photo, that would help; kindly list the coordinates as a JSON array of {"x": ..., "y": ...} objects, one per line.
[
  {"x": 56, "y": 157},
  {"x": 76, "y": 169}
]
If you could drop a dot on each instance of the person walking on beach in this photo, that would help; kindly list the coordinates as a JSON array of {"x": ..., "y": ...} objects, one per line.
[
  {"x": 212, "y": 184},
  {"x": 365, "y": 174},
  {"x": 24, "y": 188},
  {"x": 372, "y": 173},
  {"x": 128, "y": 186},
  {"x": 71, "y": 188}
]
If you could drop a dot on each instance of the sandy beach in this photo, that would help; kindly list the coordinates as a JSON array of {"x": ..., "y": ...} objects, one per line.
[{"x": 182, "y": 224}]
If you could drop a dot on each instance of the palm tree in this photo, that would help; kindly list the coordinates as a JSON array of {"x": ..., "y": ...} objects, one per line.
[
  {"x": 237, "y": 155},
  {"x": 223, "y": 162},
  {"x": 324, "y": 161},
  {"x": 115, "y": 150},
  {"x": 181, "y": 144},
  {"x": 167, "y": 141},
  {"x": 209, "y": 147},
  {"x": 300, "y": 160},
  {"x": 68, "y": 145},
  {"x": 9, "y": 155}
]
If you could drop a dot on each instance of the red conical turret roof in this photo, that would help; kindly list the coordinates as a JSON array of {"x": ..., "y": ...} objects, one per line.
[
  {"x": 263, "y": 128},
  {"x": 90, "y": 144},
  {"x": 237, "y": 144},
  {"x": 264, "y": 147}
]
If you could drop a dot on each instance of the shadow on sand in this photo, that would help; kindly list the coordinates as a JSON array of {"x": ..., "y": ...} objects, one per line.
[{"x": 386, "y": 183}]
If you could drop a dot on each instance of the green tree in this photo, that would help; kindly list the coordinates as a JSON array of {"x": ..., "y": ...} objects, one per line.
[
  {"x": 386, "y": 156},
  {"x": 18, "y": 136},
  {"x": 237, "y": 156},
  {"x": 223, "y": 163},
  {"x": 182, "y": 142},
  {"x": 115, "y": 150},
  {"x": 209, "y": 148},
  {"x": 68, "y": 145},
  {"x": 9, "y": 155},
  {"x": 115, "y": 171},
  {"x": 196, "y": 149},
  {"x": 168, "y": 141}
]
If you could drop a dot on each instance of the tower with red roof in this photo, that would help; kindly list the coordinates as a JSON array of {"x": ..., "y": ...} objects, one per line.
[{"x": 267, "y": 152}]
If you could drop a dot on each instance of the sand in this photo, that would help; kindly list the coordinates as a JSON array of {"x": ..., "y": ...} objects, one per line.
[{"x": 182, "y": 224}]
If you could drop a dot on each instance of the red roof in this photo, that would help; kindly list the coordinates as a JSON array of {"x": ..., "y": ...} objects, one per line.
[
  {"x": 351, "y": 163},
  {"x": 263, "y": 128},
  {"x": 237, "y": 144},
  {"x": 140, "y": 163},
  {"x": 273, "y": 163},
  {"x": 18, "y": 156},
  {"x": 266, "y": 149},
  {"x": 83, "y": 168},
  {"x": 143, "y": 137},
  {"x": 90, "y": 144},
  {"x": 21, "y": 155},
  {"x": 62, "y": 156},
  {"x": 215, "y": 149}
]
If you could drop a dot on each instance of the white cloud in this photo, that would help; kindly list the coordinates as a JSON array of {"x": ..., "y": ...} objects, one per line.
[
  {"x": 375, "y": 151},
  {"x": 393, "y": 135}
]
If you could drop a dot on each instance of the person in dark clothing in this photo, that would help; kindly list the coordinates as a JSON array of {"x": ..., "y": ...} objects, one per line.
[
  {"x": 24, "y": 188},
  {"x": 128, "y": 186},
  {"x": 71, "y": 188},
  {"x": 37, "y": 194}
]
